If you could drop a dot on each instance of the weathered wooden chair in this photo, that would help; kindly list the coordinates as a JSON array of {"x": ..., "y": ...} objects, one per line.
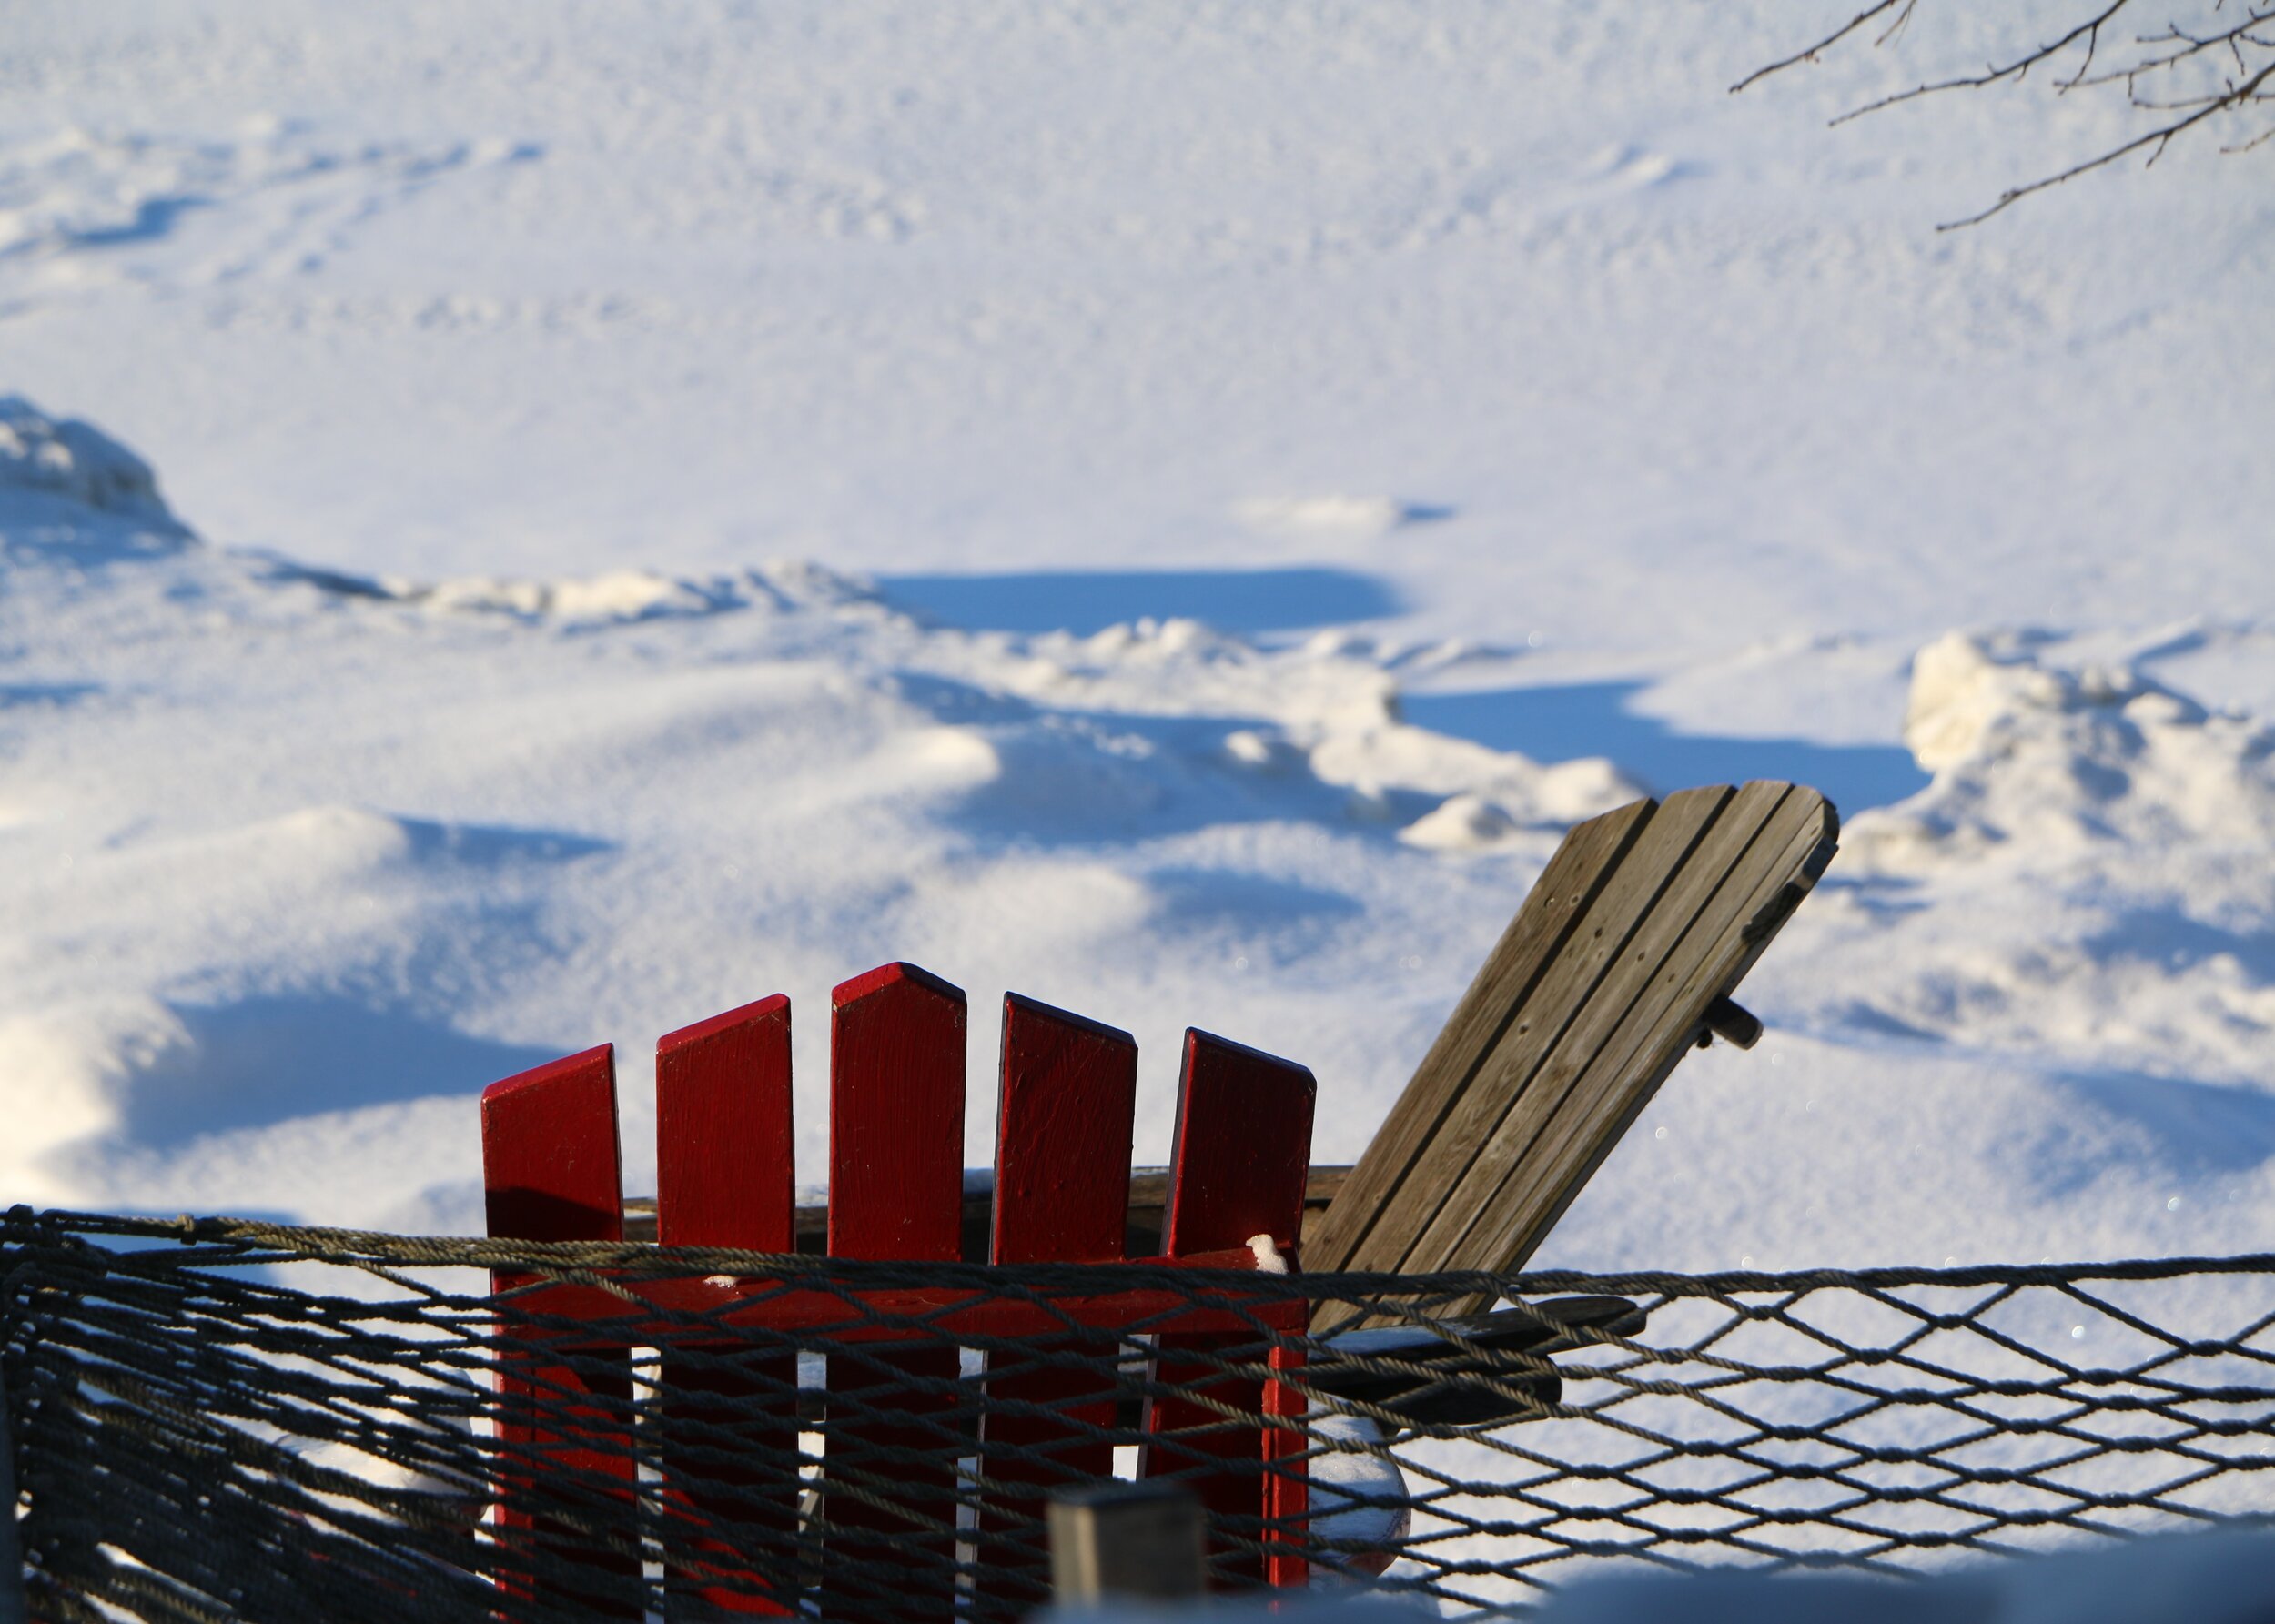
[{"x": 1622, "y": 957}]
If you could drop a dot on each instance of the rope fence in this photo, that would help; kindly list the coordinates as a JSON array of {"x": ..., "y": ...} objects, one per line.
[{"x": 210, "y": 1419}]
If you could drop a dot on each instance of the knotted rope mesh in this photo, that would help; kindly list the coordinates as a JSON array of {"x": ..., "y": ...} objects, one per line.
[{"x": 212, "y": 1420}]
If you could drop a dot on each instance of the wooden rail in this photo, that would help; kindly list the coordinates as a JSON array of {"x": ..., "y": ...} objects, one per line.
[{"x": 1148, "y": 1195}]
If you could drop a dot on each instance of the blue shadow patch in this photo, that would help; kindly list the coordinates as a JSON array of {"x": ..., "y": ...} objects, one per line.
[
  {"x": 1083, "y": 601},
  {"x": 1592, "y": 719}
]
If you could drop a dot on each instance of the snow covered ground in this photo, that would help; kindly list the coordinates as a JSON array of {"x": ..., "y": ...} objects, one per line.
[{"x": 1168, "y": 509}]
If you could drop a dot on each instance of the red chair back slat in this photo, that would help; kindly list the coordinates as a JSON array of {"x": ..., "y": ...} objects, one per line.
[
  {"x": 1068, "y": 1098},
  {"x": 550, "y": 1166},
  {"x": 1241, "y": 1151},
  {"x": 896, "y": 1193},
  {"x": 1064, "y": 1111},
  {"x": 550, "y": 1173},
  {"x": 725, "y": 1177},
  {"x": 723, "y": 1131},
  {"x": 897, "y": 1117}
]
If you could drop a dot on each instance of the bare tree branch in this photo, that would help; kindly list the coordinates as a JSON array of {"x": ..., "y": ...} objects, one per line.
[
  {"x": 2158, "y": 139},
  {"x": 2236, "y": 33}
]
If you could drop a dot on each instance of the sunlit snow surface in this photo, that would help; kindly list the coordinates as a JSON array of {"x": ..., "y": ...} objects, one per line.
[{"x": 1172, "y": 511}]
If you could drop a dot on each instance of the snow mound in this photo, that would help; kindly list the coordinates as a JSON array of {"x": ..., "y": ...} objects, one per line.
[
  {"x": 1462, "y": 823},
  {"x": 1329, "y": 517},
  {"x": 2050, "y": 762},
  {"x": 68, "y": 1067},
  {"x": 599, "y": 599},
  {"x": 2083, "y": 891},
  {"x": 615, "y": 597},
  {"x": 49, "y": 466}
]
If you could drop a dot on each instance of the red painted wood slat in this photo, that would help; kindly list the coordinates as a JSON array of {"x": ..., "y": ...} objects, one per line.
[
  {"x": 1068, "y": 1094},
  {"x": 725, "y": 1177},
  {"x": 1287, "y": 1482},
  {"x": 550, "y": 1173},
  {"x": 895, "y": 1192},
  {"x": 897, "y": 1116},
  {"x": 723, "y": 1171},
  {"x": 1241, "y": 1146}
]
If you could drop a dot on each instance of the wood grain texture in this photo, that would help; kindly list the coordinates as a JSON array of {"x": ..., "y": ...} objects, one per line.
[
  {"x": 1502, "y": 987},
  {"x": 1681, "y": 858},
  {"x": 1242, "y": 1145},
  {"x": 1681, "y": 908},
  {"x": 895, "y": 1192},
  {"x": 1659, "y": 1028},
  {"x": 1440, "y": 1170},
  {"x": 550, "y": 1173},
  {"x": 897, "y": 1116},
  {"x": 1241, "y": 1148},
  {"x": 723, "y": 1168},
  {"x": 1067, "y": 1097},
  {"x": 1148, "y": 1195},
  {"x": 724, "y": 1178},
  {"x": 549, "y": 1164}
]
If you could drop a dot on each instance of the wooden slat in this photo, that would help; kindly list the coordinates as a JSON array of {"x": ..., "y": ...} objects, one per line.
[
  {"x": 1665, "y": 1008},
  {"x": 1679, "y": 910},
  {"x": 1287, "y": 1479},
  {"x": 725, "y": 1177},
  {"x": 549, "y": 1168},
  {"x": 895, "y": 1192},
  {"x": 550, "y": 1173},
  {"x": 897, "y": 1116},
  {"x": 1068, "y": 1095},
  {"x": 1648, "y": 905},
  {"x": 1148, "y": 1195},
  {"x": 1242, "y": 1145},
  {"x": 723, "y": 1168},
  {"x": 1619, "y": 905},
  {"x": 619, "y": 1311},
  {"x": 1241, "y": 1148},
  {"x": 1565, "y": 889},
  {"x": 1063, "y": 1119}
]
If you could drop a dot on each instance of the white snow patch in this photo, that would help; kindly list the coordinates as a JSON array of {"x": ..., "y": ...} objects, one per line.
[
  {"x": 600, "y": 600},
  {"x": 2053, "y": 763},
  {"x": 1463, "y": 822},
  {"x": 1327, "y": 518}
]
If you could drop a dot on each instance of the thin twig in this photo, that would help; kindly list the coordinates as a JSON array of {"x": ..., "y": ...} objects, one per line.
[
  {"x": 1834, "y": 38},
  {"x": 2159, "y": 139}
]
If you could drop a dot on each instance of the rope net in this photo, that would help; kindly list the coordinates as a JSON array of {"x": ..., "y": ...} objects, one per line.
[{"x": 213, "y": 1420}]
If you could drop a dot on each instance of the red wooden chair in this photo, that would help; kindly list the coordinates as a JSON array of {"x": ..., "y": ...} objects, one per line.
[{"x": 1242, "y": 1147}]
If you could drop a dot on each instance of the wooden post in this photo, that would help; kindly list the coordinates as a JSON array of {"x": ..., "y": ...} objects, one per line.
[{"x": 1125, "y": 1541}]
